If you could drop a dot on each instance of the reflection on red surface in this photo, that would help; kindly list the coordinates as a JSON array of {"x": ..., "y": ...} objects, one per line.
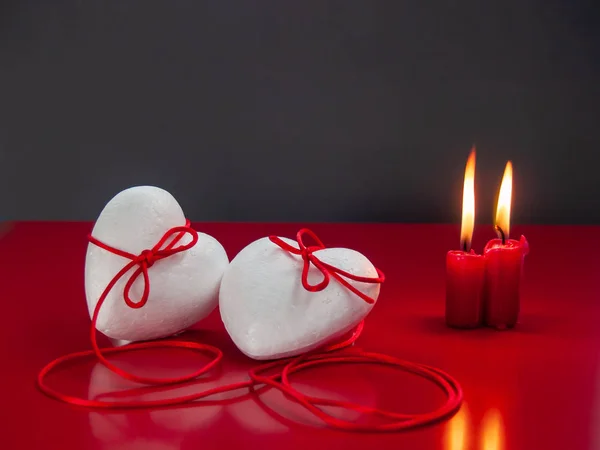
[
  {"x": 338, "y": 384},
  {"x": 492, "y": 431},
  {"x": 457, "y": 430},
  {"x": 554, "y": 348},
  {"x": 269, "y": 412},
  {"x": 122, "y": 429},
  {"x": 256, "y": 420}
]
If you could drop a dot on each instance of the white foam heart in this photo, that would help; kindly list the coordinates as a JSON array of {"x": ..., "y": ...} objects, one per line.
[
  {"x": 268, "y": 313},
  {"x": 184, "y": 287}
]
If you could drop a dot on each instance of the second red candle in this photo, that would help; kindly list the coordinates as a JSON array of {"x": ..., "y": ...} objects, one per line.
[{"x": 503, "y": 265}]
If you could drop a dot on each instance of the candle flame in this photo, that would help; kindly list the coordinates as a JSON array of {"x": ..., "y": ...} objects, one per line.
[
  {"x": 492, "y": 433},
  {"x": 468, "y": 206},
  {"x": 504, "y": 201}
]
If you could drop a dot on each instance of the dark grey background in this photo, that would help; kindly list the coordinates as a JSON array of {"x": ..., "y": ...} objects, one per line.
[{"x": 300, "y": 110}]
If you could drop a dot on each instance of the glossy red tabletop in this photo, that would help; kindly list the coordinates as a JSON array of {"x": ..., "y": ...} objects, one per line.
[{"x": 534, "y": 387}]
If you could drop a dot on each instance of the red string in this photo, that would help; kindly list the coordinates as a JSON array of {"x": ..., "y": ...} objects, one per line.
[
  {"x": 399, "y": 421},
  {"x": 280, "y": 379},
  {"x": 307, "y": 254}
]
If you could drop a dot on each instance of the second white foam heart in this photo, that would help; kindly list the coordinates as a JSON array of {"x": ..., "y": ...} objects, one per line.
[{"x": 269, "y": 314}]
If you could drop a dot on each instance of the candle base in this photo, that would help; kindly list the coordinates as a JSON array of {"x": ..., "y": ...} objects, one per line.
[
  {"x": 502, "y": 326},
  {"x": 464, "y": 288},
  {"x": 462, "y": 326},
  {"x": 504, "y": 265}
]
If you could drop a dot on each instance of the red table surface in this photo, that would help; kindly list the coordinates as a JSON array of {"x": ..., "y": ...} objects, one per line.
[{"x": 535, "y": 387}]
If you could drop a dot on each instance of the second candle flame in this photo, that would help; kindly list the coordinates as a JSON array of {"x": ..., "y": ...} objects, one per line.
[
  {"x": 504, "y": 201},
  {"x": 468, "y": 207}
]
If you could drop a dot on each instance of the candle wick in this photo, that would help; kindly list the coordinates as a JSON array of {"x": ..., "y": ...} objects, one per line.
[
  {"x": 501, "y": 233},
  {"x": 465, "y": 246}
]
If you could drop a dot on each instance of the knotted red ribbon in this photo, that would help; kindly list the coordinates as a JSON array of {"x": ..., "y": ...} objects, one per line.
[
  {"x": 328, "y": 271},
  {"x": 145, "y": 260},
  {"x": 280, "y": 379}
]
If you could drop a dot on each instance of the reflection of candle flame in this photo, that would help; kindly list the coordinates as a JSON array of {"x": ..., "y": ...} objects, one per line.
[
  {"x": 468, "y": 212},
  {"x": 504, "y": 201},
  {"x": 456, "y": 431},
  {"x": 492, "y": 434}
]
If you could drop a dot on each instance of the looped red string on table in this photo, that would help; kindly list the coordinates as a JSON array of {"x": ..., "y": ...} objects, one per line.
[{"x": 330, "y": 354}]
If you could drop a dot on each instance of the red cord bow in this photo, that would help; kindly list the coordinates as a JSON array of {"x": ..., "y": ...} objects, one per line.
[
  {"x": 146, "y": 259},
  {"x": 328, "y": 271}
]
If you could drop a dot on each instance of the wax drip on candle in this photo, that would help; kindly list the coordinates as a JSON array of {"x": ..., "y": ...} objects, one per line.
[{"x": 500, "y": 234}]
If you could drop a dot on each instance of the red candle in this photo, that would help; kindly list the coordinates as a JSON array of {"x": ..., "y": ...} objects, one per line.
[
  {"x": 464, "y": 268},
  {"x": 503, "y": 265}
]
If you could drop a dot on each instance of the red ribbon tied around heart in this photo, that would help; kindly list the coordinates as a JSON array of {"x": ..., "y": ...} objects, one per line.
[
  {"x": 146, "y": 259},
  {"x": 328, "y": 271}
]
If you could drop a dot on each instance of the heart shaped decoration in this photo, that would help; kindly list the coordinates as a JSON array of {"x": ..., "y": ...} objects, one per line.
[
  {"x": 278, "y": 298},
  {"x": 182, "y": 288}
]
